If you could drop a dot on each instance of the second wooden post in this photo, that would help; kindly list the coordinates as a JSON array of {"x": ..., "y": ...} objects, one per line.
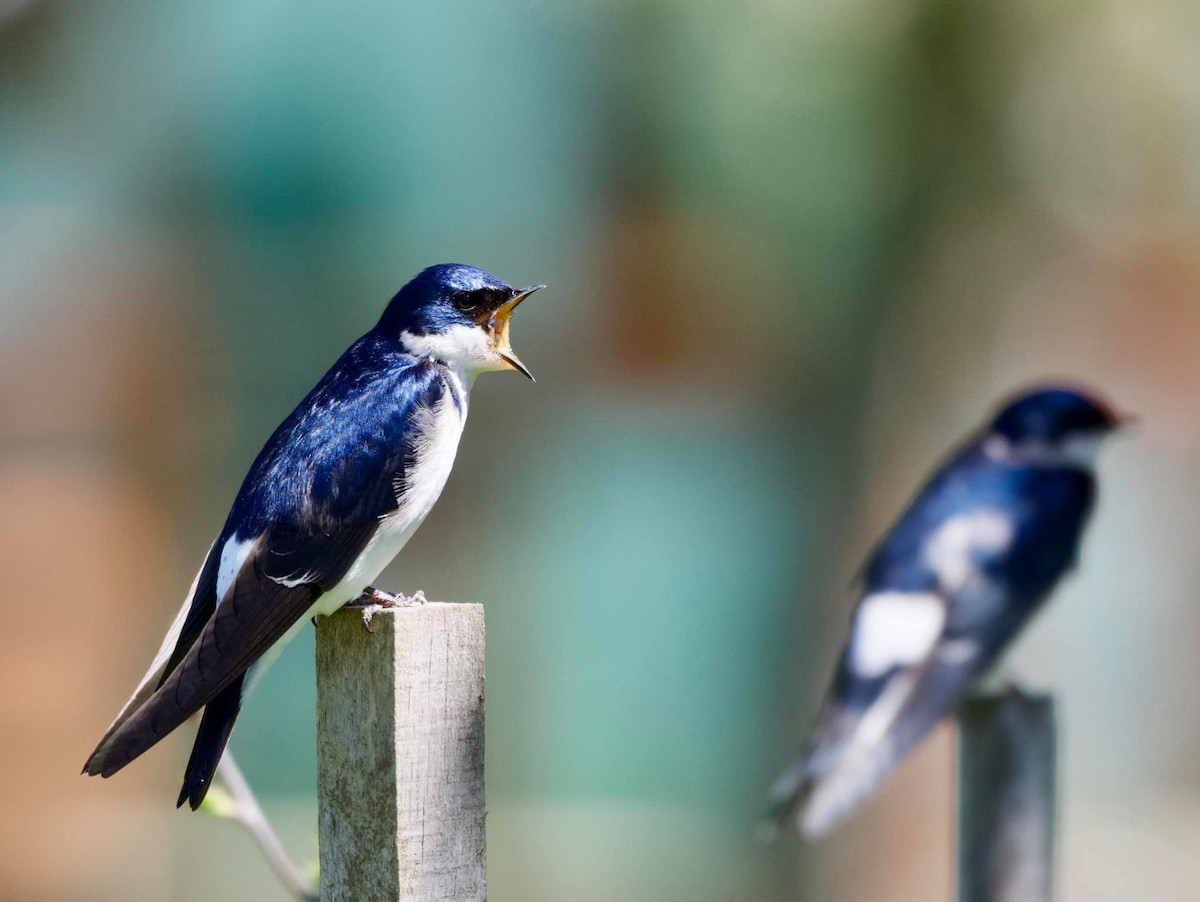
[{"x": 1006, "y": 822}]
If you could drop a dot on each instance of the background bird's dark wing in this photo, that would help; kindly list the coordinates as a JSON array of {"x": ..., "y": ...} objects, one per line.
[
  {"x": 312, "y": 502},
  {"x": 868, "y": 725}
]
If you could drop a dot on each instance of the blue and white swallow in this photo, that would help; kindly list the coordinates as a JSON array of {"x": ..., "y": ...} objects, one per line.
[
  {"x": 333, "y": 496},
  {"x": 944, "y": 593}
]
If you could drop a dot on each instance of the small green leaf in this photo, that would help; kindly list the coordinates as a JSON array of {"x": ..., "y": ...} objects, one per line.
[
  {"x": 219, "y": 803},
  {"x": 311, "y": 869}
]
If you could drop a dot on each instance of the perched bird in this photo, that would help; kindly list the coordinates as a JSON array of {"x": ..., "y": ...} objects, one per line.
[
  {"x": 333, "y": 496},
  {"x": 945, "y": 591}
]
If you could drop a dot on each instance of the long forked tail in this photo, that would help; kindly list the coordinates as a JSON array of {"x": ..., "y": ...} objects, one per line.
[
  {"x": 786, "y": 799},
  {"x": 855, "y": 751},
  {"x": 196, "y": 605},
  {"x": 215, "y": 727},
  {"x": 817, "y": 792},
  {"x": 851, "y": 751}
]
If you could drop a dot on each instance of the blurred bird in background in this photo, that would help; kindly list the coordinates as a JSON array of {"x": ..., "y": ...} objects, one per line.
[
  {"x": 333, "y": 496},
  {"x": 945, "y": 592}
]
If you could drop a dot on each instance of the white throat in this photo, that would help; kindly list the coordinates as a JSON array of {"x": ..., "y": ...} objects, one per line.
[
  {"x": 466, "y": 349},
  {"x": 1076, "y": 451}
]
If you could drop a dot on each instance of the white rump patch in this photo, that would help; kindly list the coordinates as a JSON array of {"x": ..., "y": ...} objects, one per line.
[
  {"x": 952, "y": 550},
  {"x": 233, "y": 555},
  {"x": 895, "y": 629}
]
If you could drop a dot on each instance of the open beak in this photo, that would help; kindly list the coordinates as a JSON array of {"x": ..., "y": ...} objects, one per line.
[{"x": 499, "y": 330}]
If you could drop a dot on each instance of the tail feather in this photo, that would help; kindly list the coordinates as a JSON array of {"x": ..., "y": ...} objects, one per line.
[
  {"x": 836, "y": 795},
  {"x": 885, "y": 733},
  {"x": 850, "y": 754},
  {"x": 169, "y": 706},
  {"x": 216, "y": 725},
  {"x": 786, "y": 798},
  {"x": 201, "y": 589},
  {"x": 137, "y": 731}
]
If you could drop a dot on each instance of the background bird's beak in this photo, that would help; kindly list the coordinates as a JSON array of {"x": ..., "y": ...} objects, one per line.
[{"x": 499, "y": 330}]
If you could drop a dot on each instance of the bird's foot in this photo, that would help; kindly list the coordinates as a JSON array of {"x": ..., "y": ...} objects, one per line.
[
  {"x": 1015, "y": 689},
  {"x": 418, "y": 597},
  {"x": 373, "y": 600},
  {"x": 1008, "y": 683}
]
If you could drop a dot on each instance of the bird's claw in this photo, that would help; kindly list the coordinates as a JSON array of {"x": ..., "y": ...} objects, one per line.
[
  {"x": 373, "y": 600},
  {"x": 368, "y": 612},
  {"x": 1012, "y": 688}
]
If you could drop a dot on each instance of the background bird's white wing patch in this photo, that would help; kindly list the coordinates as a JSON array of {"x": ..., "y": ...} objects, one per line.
[
  {"x": 895, "y": 629},
  {"x": 954, "y": 550}
]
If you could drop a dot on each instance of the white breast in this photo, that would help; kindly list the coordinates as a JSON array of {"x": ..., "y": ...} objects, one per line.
[{"x": 438, "y": 429}]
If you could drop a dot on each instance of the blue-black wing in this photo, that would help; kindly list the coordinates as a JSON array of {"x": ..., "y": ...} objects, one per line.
[
  {"x": 310, "y": 505},
  {"x": 870, "y": 722}
]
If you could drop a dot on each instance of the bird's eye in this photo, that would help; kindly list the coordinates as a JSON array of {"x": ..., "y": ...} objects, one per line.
[{"x": 466, "y": 301}]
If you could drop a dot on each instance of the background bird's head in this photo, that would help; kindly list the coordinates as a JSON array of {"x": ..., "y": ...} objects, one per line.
[
  {"x": 456, "y": 314},
  {"x": 1053, "y": 425}
]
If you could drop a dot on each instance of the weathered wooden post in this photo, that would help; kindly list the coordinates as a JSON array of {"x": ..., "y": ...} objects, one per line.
[
  {"x": 1006, "y": 808},
  {"x": 400, "y": 755}
]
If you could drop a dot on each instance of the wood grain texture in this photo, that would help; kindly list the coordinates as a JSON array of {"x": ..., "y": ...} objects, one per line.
[
  {"x": 1006, "y": 818},
  {"x": 400, "y": 755}
]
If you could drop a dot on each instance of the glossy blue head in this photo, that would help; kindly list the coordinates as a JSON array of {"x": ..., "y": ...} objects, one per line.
[
  {"x": 458, "y": 315},
  {"x": 1053, "y": 415}
]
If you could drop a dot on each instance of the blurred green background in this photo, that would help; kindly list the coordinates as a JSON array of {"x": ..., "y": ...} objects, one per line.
[{"x": 795, "y": 250}]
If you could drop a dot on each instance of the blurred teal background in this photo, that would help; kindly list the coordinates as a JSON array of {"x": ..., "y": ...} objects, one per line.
[{"x": 794, "y": 249}]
